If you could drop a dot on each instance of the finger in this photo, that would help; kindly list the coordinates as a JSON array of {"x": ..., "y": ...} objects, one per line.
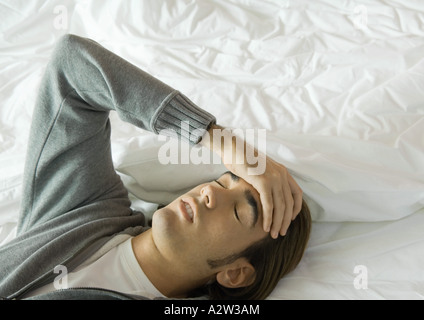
[
  {"x": 267, "y": 207},
  {"x": 298, "y": 202},
  {"x": 262, "y": 186},
  {"x": 279, "y": 209},
  {"x": 297, "y": 197},
  {"x": 285, "y": 224},
  {"x": 288, "y": 208}
]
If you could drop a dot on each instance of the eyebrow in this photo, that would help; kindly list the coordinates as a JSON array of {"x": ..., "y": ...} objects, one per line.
[{"x": 233, "y": 176}]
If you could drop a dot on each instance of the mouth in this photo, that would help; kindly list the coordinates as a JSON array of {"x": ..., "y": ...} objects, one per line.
[{"x": 187, "y": 210}]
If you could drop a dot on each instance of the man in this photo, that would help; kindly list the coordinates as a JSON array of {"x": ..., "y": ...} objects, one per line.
[{"x": 76, "y": 215}]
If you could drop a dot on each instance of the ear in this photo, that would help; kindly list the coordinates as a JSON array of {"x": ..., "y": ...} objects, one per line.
[{"x": 238, "y": 274}]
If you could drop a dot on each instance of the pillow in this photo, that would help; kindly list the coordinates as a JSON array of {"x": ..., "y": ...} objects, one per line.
[{"x": 152, "y": 170}]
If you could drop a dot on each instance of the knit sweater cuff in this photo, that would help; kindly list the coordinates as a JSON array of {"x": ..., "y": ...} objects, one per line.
[{"x": 178, "y": 116}]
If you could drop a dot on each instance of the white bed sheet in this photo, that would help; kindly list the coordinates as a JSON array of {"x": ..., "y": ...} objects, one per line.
[{"x": 339, "y": 87}]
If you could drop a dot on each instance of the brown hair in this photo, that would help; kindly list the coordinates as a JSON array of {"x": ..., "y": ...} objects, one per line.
[{"x": 271, "y": 258}]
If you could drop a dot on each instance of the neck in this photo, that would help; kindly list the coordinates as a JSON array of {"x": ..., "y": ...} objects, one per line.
[{"x": 163, "y": 273}]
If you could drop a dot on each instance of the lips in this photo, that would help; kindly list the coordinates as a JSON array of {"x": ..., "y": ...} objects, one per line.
[{"x": 187, "y": 210}]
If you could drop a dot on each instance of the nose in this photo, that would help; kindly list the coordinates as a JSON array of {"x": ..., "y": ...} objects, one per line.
[{"x": 208, "y": 195}]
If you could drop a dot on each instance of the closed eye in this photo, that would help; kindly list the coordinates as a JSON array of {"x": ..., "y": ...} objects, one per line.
[
  {"x": 219, "y": 183},
  {"x": 235, "y": 208},
  {"x": 236, "y": 214}
]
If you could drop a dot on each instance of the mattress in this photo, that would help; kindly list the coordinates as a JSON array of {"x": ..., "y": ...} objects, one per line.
[{"x": 338, "y": 87}]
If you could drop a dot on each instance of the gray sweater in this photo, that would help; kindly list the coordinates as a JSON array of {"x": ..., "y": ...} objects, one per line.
[{"x": 73, "y": 201}]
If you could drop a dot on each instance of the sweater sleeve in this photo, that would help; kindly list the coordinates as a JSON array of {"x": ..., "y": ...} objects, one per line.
[
  {"x": 69, "y": 163},
  {"x": 135, "y": 95}
]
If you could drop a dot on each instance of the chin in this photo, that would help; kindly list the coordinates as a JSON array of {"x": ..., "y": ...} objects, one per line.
[
  {"x": 166, "y": 232},
  {"x": 165, "y": 226},
  {"x": 162, "y": 219}
]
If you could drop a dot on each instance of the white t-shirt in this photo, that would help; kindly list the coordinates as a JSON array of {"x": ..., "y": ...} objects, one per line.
[{"x": 113, "y": 267}]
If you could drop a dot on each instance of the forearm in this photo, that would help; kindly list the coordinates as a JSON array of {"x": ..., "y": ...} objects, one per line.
[
  {"x": 221, "y": 141},
  {"x": 233, "y": 149},
  {"x": 208, "y": 140}
]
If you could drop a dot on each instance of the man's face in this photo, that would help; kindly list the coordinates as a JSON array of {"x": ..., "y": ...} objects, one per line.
[{"x": 210, "y": 222}]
